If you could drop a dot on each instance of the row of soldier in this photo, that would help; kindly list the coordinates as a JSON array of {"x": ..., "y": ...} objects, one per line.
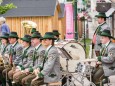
[{"x": 33, "y": 62}]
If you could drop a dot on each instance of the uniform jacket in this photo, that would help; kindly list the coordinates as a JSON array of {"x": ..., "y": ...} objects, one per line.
[
  {"x": 99, "y": 29},
  {"x": 51, "y": 69},
  {"x": 108, "y": 59},
  {"x": 16, "y": 52},
  {"x": 38, "y": 56},
  {"x": 27, "y": 58},
  {"x": 5, "y": 53}
]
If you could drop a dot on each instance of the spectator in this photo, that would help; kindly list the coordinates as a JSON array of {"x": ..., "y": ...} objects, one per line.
[{"x": 3, "y": 26}]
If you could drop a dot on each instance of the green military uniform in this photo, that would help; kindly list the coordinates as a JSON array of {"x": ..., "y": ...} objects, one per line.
[
  {"x": 38, "y": 60},
  {"x": 100, "y": 28},
  {"x": 50, "y": 69},
  {"x": 107, "y": 57},
  {"x": 26, "y": 60}
]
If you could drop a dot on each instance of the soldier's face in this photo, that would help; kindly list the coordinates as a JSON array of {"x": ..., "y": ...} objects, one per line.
[
  {"x": 55, "y": 36},
  {"x": 4, "y": 41},
  {"x": 25, "y": 44},
  {"x": 35, "y": 41},
  {"x": 100, "y": 20},
  {"x": 104, "y": 39},
  {"x": 47, "y": 42},
  {"x": 12, "y": 40}
]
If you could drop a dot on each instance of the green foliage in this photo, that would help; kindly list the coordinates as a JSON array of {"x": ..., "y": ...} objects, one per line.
[{"x": 5, "y": 8}]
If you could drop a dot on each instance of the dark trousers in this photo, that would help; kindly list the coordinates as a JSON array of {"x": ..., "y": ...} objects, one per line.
[
  {"x": 1, "y": 77},
  {"x": 98, "y": 73},
  {"x": 37, "y": 82},
  {"x": 27, "y": 80},
  {"x": 4, "y": 72}
]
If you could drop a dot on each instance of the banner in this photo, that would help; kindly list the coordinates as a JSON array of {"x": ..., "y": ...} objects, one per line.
[{"x": 69, "y": 21}]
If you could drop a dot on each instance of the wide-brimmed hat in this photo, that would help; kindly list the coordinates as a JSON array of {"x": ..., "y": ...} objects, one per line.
[
  {"x": 106, "y": 33},
  {"x": 5, "y": 36},
  {"x": 36, "y": 35},
  {"x": 48, "y": 35},
  {"x": 26, "y": 38},
  {"x": 55, "y": 32},
  {"x": 13, "y": 35},
  {"x": 33, "y": 30},
  {"x": 103, "y": 15}
]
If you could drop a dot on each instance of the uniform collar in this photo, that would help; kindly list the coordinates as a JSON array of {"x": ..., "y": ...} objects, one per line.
[
  {"x": 37, "y": 46},
  {"x": 48, "y": 47},
  {"x": 102, "y": 23},
  {"x": 107, "y": 43},
  {"x": 14, "y": 43},
  {"x": 26, "y": 47}
]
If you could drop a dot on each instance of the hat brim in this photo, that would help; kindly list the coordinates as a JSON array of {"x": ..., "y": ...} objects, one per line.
[
  {"x": 36, "y": 37},
  {"x": 107, "y": 36},
  {"x": 23, "y": 39},
  {"x": 12, "y": 36},
  {"x": 57, "y": 34},
  {"x": 3, "y": 37},
  {"x": 47, "y": 38},
  {"x": 101, "y": 16}
]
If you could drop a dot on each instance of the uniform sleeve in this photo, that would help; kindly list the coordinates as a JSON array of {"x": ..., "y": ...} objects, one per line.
[
  {"x": 50, "y": 63},
  {"x": 110, "y": 58},
  {"x": 18, "y": 57}
]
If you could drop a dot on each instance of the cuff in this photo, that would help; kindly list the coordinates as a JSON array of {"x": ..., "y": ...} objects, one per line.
[
  {"x": 40, "y": 75},
  {"x": 19, "y": 67},
  {"x": 30, "y": 69},
  {"x": 40, "y": 68},
  {"x": 99, "y": 58},
  {"x": 22, "y": 68}
]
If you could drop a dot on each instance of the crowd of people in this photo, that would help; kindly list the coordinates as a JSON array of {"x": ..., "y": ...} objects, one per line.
[
  {"x": 36, "y": 60},
  {"x": 33, "y": 62},
  {"x": 104, "y": 50}
]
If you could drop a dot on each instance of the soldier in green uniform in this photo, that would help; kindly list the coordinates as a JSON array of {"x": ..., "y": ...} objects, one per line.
[
  {"x": 15, "y": 54},
  {"x": 102, "y": 26},
  {"x": 4, "y": 55},
  {"x": 38, "y": 58},
  {"x": 49, "y": 71},
  {"x": 106, "y": 59},
  {"x": 26, "y": 61}
]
